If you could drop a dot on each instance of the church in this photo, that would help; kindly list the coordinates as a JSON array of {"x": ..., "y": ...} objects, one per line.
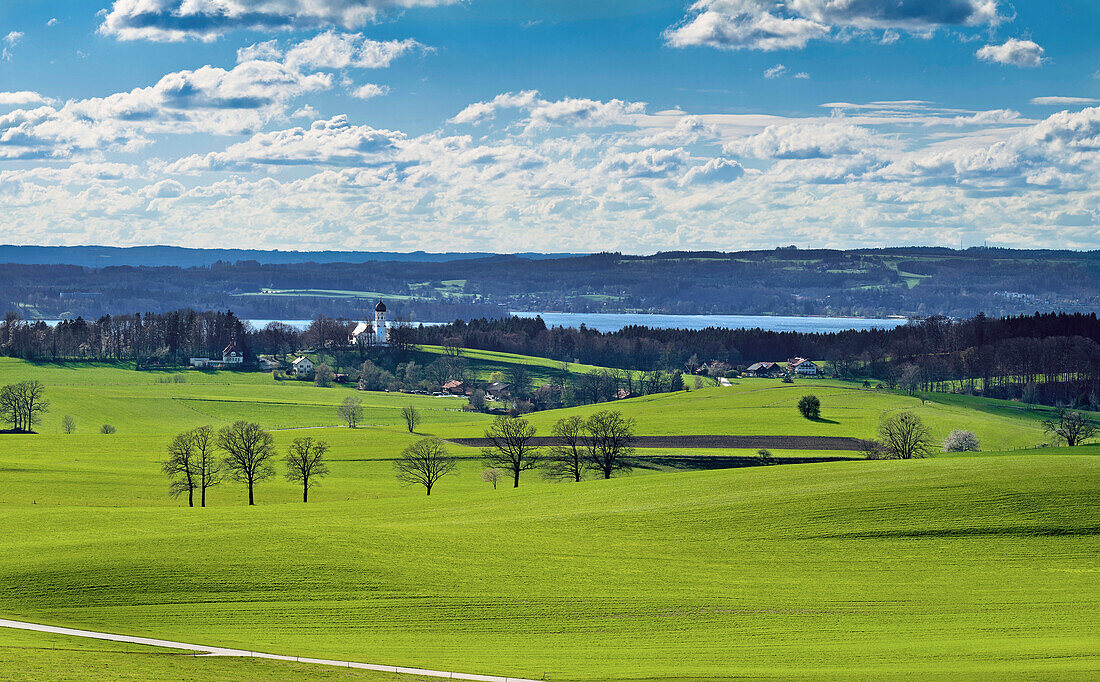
[{"x": 366, "y": 334}]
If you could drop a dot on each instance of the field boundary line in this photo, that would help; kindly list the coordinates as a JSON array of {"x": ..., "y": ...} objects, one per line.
[{"x": 202, "y": 650}]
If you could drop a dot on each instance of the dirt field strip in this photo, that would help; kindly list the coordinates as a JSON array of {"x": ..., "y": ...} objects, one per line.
[
  {"x": 220, "y": 651},
  {"x": 710, "y": 442}
]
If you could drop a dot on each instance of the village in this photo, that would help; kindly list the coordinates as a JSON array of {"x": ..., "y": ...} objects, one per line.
[{"x": 369, "y": 361}]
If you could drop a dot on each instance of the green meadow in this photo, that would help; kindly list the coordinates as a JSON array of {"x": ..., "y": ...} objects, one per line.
[{"x": 981, "y": 565}]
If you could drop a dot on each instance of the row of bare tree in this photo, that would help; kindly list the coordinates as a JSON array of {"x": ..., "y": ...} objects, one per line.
[
  {"x": 243, "y": 452},
  {"x": 603, "y": 443}
]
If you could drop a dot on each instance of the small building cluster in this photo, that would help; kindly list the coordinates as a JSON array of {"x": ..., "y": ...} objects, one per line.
[{"x": 231, "y": 355}]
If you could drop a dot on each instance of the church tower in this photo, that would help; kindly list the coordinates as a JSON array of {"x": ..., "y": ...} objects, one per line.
[{"x": 381, "y": 334}]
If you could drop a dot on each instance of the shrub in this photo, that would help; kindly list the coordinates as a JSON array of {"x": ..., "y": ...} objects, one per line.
[
  {"x": 766, "y": 457},
  {"x": 961, "y": 441},
  {"x": 107, "y": 428},
  {"x": 323, "y": 376},
  {"x": 788, "y": 379},
  {"x": 810, "y": 407}
]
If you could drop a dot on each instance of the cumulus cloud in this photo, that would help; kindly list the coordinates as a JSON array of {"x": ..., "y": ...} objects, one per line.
[
  {"x": 775, "y": 71},
  {"x": 331, "y": 50},
  {"x": 767, "y": 26},
  {"x": 208, "y": 100},
  {"x": 802, "y": 141},
  {"x": 1014, "y": 52},
  {"x": 543, "y": 114},
  {"x": 369, "y": 91},
  {"x": 331, "y": 142},
  {"x": 22, "y": 98},
  {"x": 742, "y": 24},
  {"x": 176, "y": 20}
]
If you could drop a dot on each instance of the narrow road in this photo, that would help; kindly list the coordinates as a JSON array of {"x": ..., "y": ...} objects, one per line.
[{"x": 220, "y": 651}]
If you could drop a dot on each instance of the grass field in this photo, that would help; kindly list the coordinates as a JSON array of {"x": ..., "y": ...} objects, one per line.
[{"x": 954, "y": 566}]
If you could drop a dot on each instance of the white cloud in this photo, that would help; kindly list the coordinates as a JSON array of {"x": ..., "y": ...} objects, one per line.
[
  {"x": 775, "y": 71},
  {"x": 331, "y": 142},
  {"x": 332, "y": 50},
  {"x": 1013, "y": 52},
  {"x": 369, "y": 90},
  {"x": 764, "y": 25},
  {"x": 543, "y": 114},
  {"x": 9, "y": 41},
  {"x": 1063, "y": 101},
  {"x": 52, "y": 22},
  {"x": 22, "y": 98},
  {"x": 176, "y": 20},
  {"x": 208, "y": 100},
  {"x": 742, "y": 24},
  {"x": 802, "y": 141}
]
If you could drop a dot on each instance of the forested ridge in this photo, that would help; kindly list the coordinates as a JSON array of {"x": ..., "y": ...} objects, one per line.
[{"x": 903, "y": 281}]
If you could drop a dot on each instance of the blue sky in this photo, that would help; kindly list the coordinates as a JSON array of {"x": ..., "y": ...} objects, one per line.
[{"x": 559, "y": 125}]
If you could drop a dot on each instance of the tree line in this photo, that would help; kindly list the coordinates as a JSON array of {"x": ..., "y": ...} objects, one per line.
[{"x": 1049, "y": 358}]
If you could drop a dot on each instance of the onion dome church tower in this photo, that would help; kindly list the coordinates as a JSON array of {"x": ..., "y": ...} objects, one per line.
[{"x": 381, "y": 333}]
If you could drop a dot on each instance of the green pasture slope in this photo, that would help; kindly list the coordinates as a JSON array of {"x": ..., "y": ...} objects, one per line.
[{"x": 953, "y": 566}]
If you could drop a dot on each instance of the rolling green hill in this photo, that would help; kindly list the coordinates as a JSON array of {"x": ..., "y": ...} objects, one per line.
[{"x": 953, "y": 566}]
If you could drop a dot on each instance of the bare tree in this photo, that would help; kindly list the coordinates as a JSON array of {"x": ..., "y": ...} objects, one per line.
[
  {"x": 411, "y": 416},
  {"x": 1072, "y": 427},
  {"x": 904, "y": 436},
  {"x": 566, "y": 459},
  {"x": 68, "y": 424},
  {"x": 306, "y": 463},
  {"x": 351, "y": 411},
  {"x": 511, "y": 446},
  {"x": 22, "y": 404},
  {"x": 208, "y": 468},
  {"x": 610, "y": 441},
  {"x": 248, "y": 453},
  {"x": 424, "y": 463},
  {"x": 180, "y": 467},
  {"x": 492, "y": 476}
]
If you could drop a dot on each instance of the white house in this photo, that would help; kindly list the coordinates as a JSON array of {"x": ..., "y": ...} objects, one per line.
[
  {"x": 802, "y": 366},
  {"x": 231, "y": 355},
  {"x": 302, "y": 366},
  {"x": 366, "y": 334}
]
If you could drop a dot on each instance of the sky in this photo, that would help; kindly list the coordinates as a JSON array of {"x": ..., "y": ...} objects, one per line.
[{"x": 550, "y": 125}]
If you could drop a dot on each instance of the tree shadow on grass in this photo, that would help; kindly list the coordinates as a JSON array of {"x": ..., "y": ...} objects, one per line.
[
  {"x": 710, "y": 462},
  {"x": 822, "y": 420}
]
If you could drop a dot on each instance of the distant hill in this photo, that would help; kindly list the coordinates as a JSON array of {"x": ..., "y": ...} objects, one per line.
[{"x": 105, "y": 256}]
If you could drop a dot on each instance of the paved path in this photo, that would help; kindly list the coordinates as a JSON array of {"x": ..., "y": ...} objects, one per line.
[{"x": 220, "y": 651}]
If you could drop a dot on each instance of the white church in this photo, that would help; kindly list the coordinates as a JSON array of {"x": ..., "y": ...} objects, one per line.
[{"x": 366, "y": 334}]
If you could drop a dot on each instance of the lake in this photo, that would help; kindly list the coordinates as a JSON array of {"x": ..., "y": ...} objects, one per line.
[{"x": 610, "y": 322}]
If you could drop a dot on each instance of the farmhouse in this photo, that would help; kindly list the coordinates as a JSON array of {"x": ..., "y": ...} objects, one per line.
[
  {"x": 302, "y": 367},
  {"x": 801, "y": 366},
  {"x": 763, "y": 369},
  {"x": 454, "y": 387}
]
